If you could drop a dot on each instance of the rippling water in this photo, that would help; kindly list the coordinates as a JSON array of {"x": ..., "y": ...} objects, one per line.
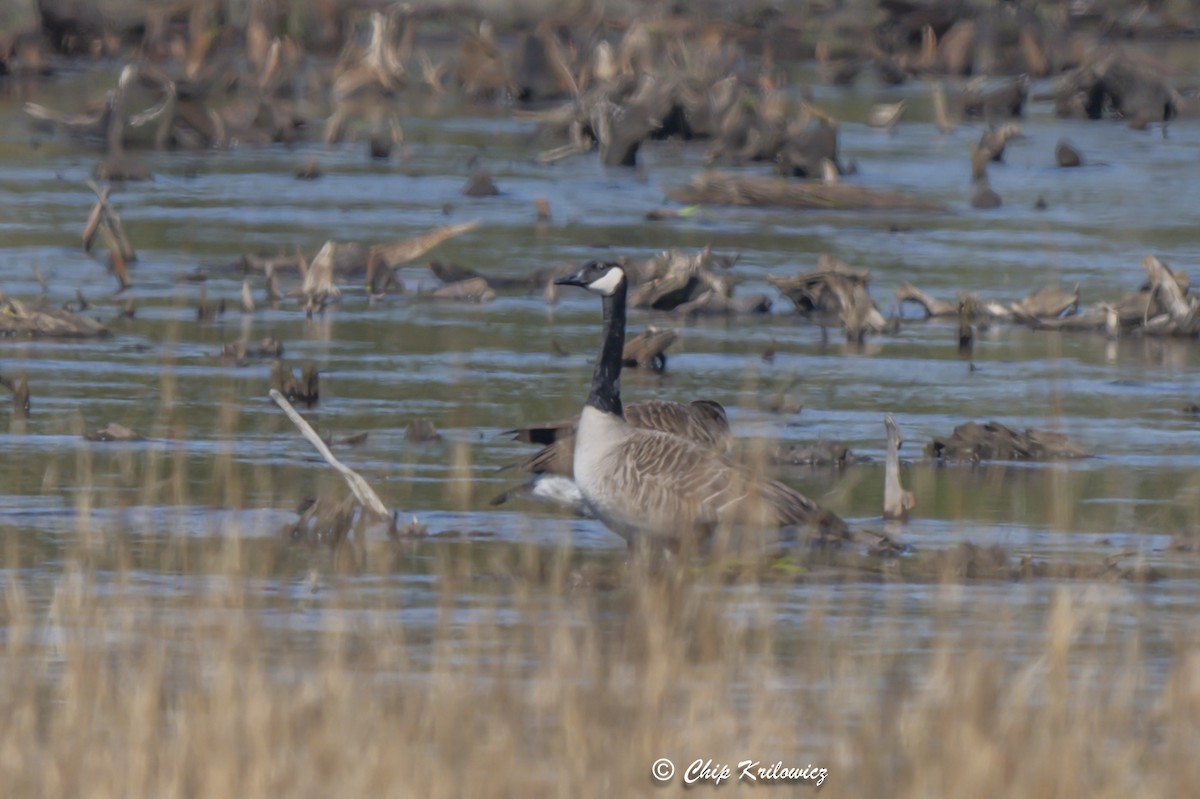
[{"x": 479, "y": 369}]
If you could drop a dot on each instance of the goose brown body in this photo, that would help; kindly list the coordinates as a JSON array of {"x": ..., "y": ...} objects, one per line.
[{"x": 647, "y": 483}]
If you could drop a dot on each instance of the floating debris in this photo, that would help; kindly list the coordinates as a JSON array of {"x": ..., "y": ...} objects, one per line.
[
  {"x": 886, "y": 115},
  {"x": 324, "y": 521},
  {"x": 243, "y": 352},
  {"x": 676, "y": 281},
  {"x": 725, "y": 188},
  {"x": 480, "y": 184},
  {"x": 306, "y": 389},
  {"x": 20, "y": 395},
  {"x": 884, "y": 545},
  {"x": 995, "y": 100},
  {"x": 966, "y": 331},
  {"x": 994, "y": 140},
  {"x": 475, "y": 289},
  {"x": 19, "y": 319},
  {"x": 351, "y": 259},
  {"x": 1161, "y": 307},
  {"x": 993, "y": 441},
  {"x": 453, "y": 273},
  {"x": 353, "y": 440},
  {"x": 113, "y": 432},
  {"x": 836, "y": 291},
  {"x": 422, "y": 430},
  {"x": 647, "y": 350},
  {"x": 782, "y": 400},
  {"x": 207, "y": 311},
  {"x": 932, "y": 306},
  {"x": 1067, "y": 156},
  {"x": 1050, "y": 302},
  {"x": 413, "y": 528},
  {"x": 402, "y": 252},
  {"x": 319, "y": 287},
  {"x": 1178, "y": 314},
  {"x": 379, "y": 147},
  {"x": 1186, "y": 541},
  {"x": 970, "y": 561},
  {"x": 983, "y": 196},
  {"x": 1120, "y": 81},
  {"x": 122, "y": 167},
  {"x": 310, "y": 171},
  {"x": 820, "y": 453}
]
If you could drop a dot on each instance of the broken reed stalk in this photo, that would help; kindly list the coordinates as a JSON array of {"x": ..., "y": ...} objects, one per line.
[
  {"x": 116, "y": 259},
  {"x": 1165, "y": 287},
  {"x": 362, "y": 491},
  {"x": 103, "y": 217},
  {"x": 941, "y": 114},
  {"x": 896, "y": 501}
]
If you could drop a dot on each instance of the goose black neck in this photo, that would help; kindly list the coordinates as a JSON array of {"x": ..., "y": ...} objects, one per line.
[{"x": 606, "y": 380}]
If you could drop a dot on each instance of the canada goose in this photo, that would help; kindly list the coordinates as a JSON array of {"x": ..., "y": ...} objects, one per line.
[
  {"x": 702, "y": 422},
  {"x": 647, "y": 485}
]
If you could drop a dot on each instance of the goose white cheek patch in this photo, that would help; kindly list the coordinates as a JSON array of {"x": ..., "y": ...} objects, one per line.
[{"x": 607, "y": 284}]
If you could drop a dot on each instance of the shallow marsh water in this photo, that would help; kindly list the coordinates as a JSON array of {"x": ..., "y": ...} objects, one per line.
[{"x": 220, "y": 461}]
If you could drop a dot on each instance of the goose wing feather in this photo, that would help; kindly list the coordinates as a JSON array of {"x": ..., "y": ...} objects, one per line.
[
  {"x": 674, "y": 483},
  {"x": 554, "y": 458}
]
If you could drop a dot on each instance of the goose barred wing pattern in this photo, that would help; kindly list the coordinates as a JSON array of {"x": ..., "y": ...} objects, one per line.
[
  {"x": 678, "y": 486},
  {"x": 702, "y": 422}
]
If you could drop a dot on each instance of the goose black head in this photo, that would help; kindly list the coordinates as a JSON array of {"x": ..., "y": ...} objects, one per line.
[{"x": 600, "y": 277}]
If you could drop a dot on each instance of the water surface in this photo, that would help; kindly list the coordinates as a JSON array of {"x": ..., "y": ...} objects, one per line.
[{"x": 219, "y": 460}]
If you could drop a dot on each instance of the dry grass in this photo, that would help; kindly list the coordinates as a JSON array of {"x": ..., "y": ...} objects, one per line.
[{"x": 525, "y": 680}]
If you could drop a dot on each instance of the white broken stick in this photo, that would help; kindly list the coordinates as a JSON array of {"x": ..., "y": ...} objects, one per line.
[
  {"x": 362, "y": 491},
  {"x": 896, "y": 501}
]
